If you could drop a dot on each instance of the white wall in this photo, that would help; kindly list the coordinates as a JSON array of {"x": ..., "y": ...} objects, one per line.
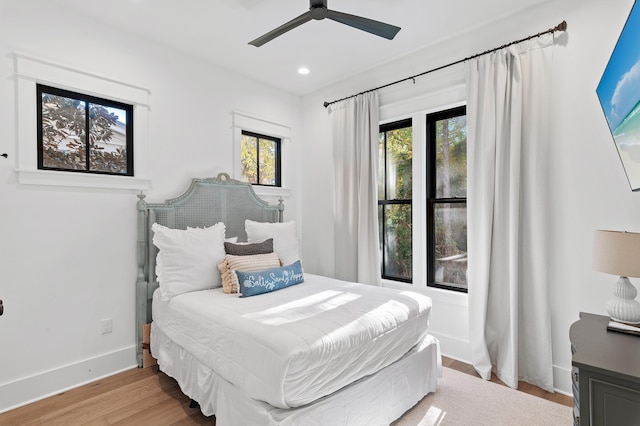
[
  {"x": 67, "y": 255},
  {"x": 589, "y": 191}
]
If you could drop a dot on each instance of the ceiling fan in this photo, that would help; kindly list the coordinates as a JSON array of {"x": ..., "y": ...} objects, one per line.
[{"x": 318, "y": 10}]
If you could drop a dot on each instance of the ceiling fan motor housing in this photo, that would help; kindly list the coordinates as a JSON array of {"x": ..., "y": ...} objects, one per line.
[
  {"x": 318, "y": 13},
  {"x": 318, "y": 9}
]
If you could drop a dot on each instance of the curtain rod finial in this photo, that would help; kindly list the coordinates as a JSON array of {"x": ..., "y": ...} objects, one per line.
[
  {"x": 562, "y": 26},
  {"x": 326, "y": 104}
]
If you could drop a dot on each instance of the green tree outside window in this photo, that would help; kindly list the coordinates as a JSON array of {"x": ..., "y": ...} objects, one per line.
[
  {"x": 83, "y": 133},
  {"x": 395, "y": 183},
  {"x": 447, "y": 205},
  {"x": 260, "y": 159}
]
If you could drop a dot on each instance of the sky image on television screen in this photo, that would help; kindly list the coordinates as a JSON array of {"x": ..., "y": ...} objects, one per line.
[{"x": 619, "y": 95}]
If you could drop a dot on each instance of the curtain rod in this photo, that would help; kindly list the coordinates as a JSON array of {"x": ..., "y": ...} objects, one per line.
[{"x": 562, "y": 26}]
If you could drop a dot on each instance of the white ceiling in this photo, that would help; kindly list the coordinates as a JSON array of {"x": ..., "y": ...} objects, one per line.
[{"x": 219, "y": 31}]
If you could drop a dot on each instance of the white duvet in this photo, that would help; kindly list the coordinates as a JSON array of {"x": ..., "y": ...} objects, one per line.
[{"x": 296, "y": 345}]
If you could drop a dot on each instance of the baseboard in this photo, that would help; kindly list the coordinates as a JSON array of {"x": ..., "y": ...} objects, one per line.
[
  {"x": 562, "y": 380},
  {"x": 453, "y": 347},
  {"x": 48, "y": 383}
]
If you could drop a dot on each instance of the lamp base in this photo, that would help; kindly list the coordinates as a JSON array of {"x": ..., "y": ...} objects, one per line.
[{"x": 623, "y": 307}]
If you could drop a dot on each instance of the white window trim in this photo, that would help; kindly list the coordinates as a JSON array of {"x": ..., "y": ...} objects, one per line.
[
  {"x": 29, "y": 71},
  {"x": 243, "y": 121}
]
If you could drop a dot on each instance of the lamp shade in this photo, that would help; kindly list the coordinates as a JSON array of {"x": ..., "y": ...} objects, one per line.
[{"x": 617, "y": 253}]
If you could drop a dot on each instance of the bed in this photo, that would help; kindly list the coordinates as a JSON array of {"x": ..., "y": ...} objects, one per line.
[{"x": 304, "y": 350}]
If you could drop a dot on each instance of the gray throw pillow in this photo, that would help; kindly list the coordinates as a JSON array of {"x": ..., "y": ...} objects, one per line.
[{"x": 249, "y": 249}]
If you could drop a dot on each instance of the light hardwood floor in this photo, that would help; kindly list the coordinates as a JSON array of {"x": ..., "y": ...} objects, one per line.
[{"x": 144, "y": 397}]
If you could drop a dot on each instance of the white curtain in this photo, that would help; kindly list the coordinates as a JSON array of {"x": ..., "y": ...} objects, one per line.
[
  {"x": 355, "y": 128},
  {"x": 509, "y": 98}
]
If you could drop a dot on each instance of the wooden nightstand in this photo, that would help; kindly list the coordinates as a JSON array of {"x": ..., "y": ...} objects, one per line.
[{"x": 606, "y": 374}]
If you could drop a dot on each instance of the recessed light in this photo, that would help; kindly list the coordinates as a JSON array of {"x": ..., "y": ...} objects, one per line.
[{"x": 303, "y": 70}]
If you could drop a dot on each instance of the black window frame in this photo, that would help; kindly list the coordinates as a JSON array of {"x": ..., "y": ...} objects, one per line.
[
  {"x": 432, "y": 200},
  {"x": 87, "y": 99},
  {"x": 400, "y": 124},
  {"x": 278, "y": 157}
]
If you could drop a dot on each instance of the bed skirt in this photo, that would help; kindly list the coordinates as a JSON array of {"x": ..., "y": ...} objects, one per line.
[{"x": 374, "y": 400}]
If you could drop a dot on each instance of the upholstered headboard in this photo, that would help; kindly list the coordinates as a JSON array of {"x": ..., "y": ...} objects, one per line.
[{"x": 205, "y": 203}]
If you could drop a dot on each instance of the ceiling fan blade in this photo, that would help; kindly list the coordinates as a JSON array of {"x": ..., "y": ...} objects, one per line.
[
  {"x": 369, "y": 25},
  {"x": 305, "y": 17}
]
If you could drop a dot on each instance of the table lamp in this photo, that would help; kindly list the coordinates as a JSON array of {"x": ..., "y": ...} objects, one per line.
[{"x": 618, "y": 253}]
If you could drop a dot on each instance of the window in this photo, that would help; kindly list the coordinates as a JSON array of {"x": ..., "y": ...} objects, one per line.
[
  {"x": 260, "y": 159},
  {"x": 394, "y": 199},
  {"x": 82, "y": 133},
  {"x": 447, "y": 199}
]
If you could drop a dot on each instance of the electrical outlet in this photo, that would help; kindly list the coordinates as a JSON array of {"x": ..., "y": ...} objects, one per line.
[{"x": 107, "y": 326}]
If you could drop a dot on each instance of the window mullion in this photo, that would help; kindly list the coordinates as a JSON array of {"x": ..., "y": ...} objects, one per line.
[
  {"x": 257, "y": 161},
  {"x": 86, "y": 136},
  {"x": 449, "y": 200},
  {"x": 386, "y": 168},
  {"x": 278, "y": 171},
  {"x": 384, "y": 239},
  {"x": 384, "y": 206}
]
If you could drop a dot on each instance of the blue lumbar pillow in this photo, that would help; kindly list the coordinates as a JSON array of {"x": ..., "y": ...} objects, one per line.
[{"x": 254, "y": 283}]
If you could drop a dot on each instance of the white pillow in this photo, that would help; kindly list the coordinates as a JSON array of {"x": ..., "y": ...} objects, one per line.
[
  {"x": 285, "y": 239},
  {"x": 187, "y": 260},
  {"x": 229, "y": 240}
]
